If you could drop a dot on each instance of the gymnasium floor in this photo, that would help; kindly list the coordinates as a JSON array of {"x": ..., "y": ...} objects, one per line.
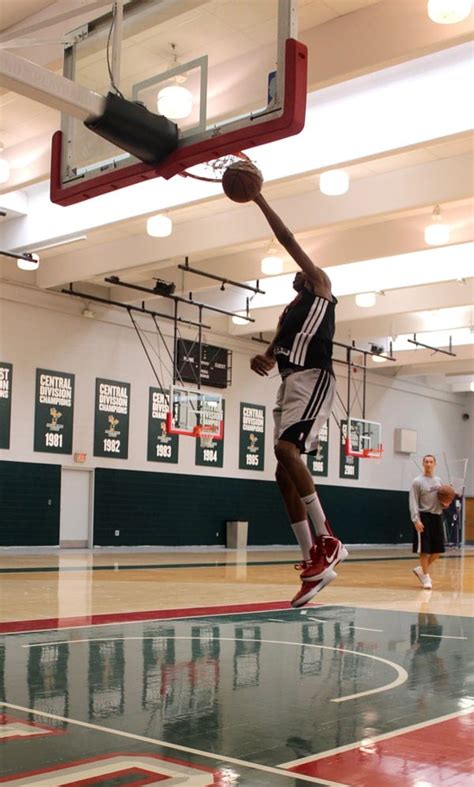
[{"x": 190, "y": 668}]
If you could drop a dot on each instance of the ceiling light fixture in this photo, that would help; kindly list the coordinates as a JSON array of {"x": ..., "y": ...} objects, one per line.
[
  {"x": 240, "y": 318},
  {"x": 29, "y": 263},
  {"x": 366, "y": 299},
  {"x": 159, "y": 226},
  {"x": 4, "y": 166},
  {"x": 334, "y": 182},
  {"x": 272, "y": 263},
  {"x": 175, "y": 101},
  {"x": 449, "y": 12},
  {"x": 437, "y": 233}
]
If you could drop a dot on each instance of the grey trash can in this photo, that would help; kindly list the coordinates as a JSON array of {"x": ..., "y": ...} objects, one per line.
[{"x": 236, "y": 535}]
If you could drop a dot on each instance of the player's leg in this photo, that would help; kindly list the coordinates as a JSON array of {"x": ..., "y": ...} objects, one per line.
[
  {"x": 304, "y": 536},
  {"x": 298, "y": 517},
  {"x": 422, "y": 546},
  {"x": 305, "y": 407},
  {"x": 296, "y": 511}
]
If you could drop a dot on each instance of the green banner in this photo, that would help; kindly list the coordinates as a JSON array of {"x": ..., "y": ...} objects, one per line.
[
  {"x": 6, "y": 380},
  {"x": 162, "y": 447},
  {"x": 112, "y": 415},
  {"x": 54, "y": 411},
  {"x": 252, "y": 436},
  {"x": 318, "y": 463},
  {"x": 210, "y": 452},
  {"x": 348, "y": 465}
]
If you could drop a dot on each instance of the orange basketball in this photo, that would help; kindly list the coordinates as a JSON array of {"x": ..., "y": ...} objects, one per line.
[
  {"x": 446, "y": 494},
  {"x": 242, "y": 181}
]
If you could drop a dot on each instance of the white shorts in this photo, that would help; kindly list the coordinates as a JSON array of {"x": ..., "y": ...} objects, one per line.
[{"x": 303, "y": 405}]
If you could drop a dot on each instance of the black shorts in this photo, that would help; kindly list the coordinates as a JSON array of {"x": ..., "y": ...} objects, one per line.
[{"x": 432, "y": 538}]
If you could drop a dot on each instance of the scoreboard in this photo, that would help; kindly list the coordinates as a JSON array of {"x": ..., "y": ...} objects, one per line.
[{"x": 215, "y": 364}]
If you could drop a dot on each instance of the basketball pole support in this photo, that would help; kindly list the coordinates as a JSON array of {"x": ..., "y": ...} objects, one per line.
[
  {"x": 52, "y": 90},
  {"x": 177, "y": 300},
  {"x": 350, "y": 364}
]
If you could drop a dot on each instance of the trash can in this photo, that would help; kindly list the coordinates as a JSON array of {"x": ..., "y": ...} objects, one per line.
[{"x": 236, "y": 535}]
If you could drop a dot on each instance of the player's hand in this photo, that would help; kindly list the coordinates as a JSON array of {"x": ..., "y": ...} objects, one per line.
[
  {"x": 262, "y": 364},
  {"x": 419, "y": 527}
]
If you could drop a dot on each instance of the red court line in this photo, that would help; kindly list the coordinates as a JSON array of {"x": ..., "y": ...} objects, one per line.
[
  {"x": 439, "y": 753},
  {"x": 16, "y": 626}
]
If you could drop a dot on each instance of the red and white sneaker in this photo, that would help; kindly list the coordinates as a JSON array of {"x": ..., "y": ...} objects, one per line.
[
  {"x": 309, "y": 589},
  {"x": 326, "y": 553}
]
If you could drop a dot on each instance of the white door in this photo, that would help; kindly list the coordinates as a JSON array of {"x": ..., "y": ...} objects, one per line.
[{"x": 75, "y": 521}]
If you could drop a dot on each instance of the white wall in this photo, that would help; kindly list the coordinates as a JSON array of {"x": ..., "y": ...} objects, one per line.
[{"x": 46, "y": 330}]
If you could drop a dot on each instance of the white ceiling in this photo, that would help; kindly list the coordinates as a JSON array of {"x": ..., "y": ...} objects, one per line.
[{"x": 390, "y": 201}]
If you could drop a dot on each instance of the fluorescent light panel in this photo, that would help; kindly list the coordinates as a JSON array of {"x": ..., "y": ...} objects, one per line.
[
  {"x": 459, "y": 336},
  {"x": 385, "y": 273},
  {"x": 58, "y": 243}
]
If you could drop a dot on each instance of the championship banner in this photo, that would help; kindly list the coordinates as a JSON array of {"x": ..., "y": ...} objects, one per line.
[
  {"x": 112, "y": 414},
  {"x": 162, "y": 447},
  {"x": 54, "y": 410},
  {"x": 210, "y": 452},
  {"x": 348, "y": 465},
  {"x": 6, "y": 379},
  {"x": 318, "y": 463},
  {"x": 252, "y": 436}
]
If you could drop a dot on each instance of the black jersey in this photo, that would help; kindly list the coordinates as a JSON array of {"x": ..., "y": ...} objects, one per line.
[{"x": 305, "y": 333}]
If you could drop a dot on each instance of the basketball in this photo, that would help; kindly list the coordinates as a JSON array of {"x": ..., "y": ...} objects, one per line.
[
  {"x": 446, "y": 494},
  {"x": 242, "y": 181}
]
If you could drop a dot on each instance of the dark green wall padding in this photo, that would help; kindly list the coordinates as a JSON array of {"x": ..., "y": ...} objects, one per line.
[
  {"x": 29, "y": 504},
  {"x": 169, "y": 509}
]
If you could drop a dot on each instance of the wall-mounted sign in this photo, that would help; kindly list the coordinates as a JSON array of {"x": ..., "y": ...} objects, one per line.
[
  {"x": 162, "y": 447},
  {"x": 112, "y": 415},
  {"x": 252, "y": 436},
  {"x": 318, "y": 463},
  {"x": 348, "y": 465},
  {"x": 6, "y": 379},
  {"x": 209, "y": 451},
  {"x": 54, "y": 411}
]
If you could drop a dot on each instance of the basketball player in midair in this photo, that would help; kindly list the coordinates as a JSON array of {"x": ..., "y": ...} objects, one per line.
[{"x": 302, "y": 348}]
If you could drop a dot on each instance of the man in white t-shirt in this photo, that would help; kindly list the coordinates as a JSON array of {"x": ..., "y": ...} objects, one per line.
[{"x": 425, "y": 511}]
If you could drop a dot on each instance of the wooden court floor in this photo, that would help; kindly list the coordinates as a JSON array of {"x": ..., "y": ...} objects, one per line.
[{"x": 190, "y": 668}]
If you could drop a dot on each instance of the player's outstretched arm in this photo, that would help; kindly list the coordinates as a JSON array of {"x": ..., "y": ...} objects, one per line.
[{"x": 318, "y": 278}]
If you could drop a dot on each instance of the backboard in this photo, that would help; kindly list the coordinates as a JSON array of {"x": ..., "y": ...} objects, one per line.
[
  {"x": 240, "y": 62},
  {"x": 195, "y": 413},
  {"x": 364, "y": 439}
]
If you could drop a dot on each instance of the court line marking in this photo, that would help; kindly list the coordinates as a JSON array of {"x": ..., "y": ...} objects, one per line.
[
  {"x": 376, "y": 738},
  {"x": 216, "y": 564},
  {"x": 175, "y": 746},
  {"x": 442, "y": 636},
  {"x": 318, "y": 620},
  {"x": 402, "y": 674},
  {"x": 163, "y": 620},
  {"x": 363, "y": 628}
]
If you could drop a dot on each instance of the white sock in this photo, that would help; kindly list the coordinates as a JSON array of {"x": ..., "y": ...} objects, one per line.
[
  {"x": 304, "y": 537},
  {"x": 316, "y": 514}
]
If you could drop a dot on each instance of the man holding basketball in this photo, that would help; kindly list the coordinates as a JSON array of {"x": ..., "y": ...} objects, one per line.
[
  {"x": 302, "y": 348},
  {"x": 425, "y": 512}
]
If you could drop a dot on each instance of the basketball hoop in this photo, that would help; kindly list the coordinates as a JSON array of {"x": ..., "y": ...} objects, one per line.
[
  {"x": 364, "y": 453},
  {"x": 212, "y": 171},
  {"x": 363, "y": 439},
  {"x": 373, "y": 453}
]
